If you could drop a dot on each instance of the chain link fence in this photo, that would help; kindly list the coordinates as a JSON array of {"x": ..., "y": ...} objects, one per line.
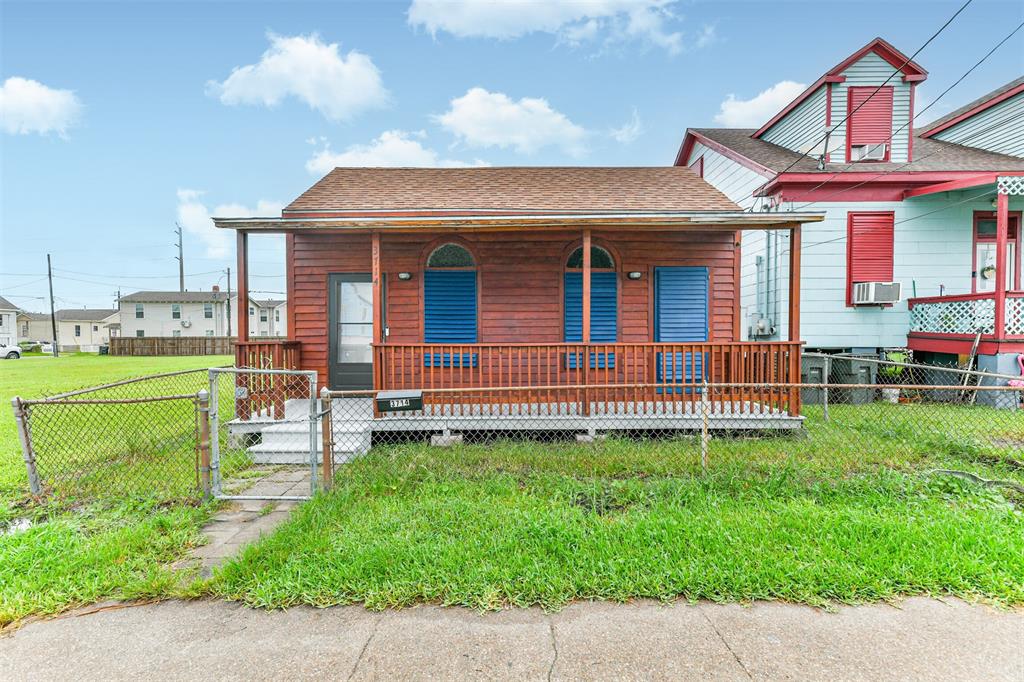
[
  {"x": 266, "y": 434},
  {"x": 137, "y": 437}
]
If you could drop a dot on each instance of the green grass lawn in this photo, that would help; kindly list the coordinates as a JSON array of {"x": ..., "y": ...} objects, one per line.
[
  {"x": 847, "y": 513},
  {"x": 82, "y": 550}
]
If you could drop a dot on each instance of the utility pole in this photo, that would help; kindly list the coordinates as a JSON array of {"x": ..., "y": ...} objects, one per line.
[
  {"x": 181, "y": 259},
  {"x": 229, "y": 302},
  {"x": 53, "y": 313}
]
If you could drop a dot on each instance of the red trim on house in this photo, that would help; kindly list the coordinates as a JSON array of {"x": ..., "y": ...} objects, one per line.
[
  {"x": 952, "y": 185},
  {"x": 873, "y": 261},
  {"x": 928, "y": 132},
  {"x": 871, "y": 185},
  {"x": 698, "y": 166},
  {"x": 692, "y": 137},
  {"x": 959, "y": 345},
  {"x": 828, "y": 120},
  {"x": 1013, "y": 234},
  {"x": 910, "y": 125},
  {"x": 813, "y": 88},
  {"x": 912, "y": 72}
]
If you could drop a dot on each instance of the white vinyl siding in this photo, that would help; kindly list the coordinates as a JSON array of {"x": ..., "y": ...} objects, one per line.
[
  {"x": 1000, "y": 128},
  {"x": 803, "y": 127},
  {"x": 872, "y": 70}
]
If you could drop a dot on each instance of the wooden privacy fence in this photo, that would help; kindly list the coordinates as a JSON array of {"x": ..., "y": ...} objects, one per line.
[{"x": 172, "y": 345}]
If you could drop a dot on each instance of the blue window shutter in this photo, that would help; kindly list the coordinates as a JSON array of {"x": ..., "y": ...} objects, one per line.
[
  {"x": 681, "y": 304},
  {"x": 603, "y": 307},
  {"x": 680, "y": 316},
  {"x": 449, "y": 306}
]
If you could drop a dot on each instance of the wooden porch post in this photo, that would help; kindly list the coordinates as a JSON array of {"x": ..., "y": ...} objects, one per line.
[
  {"x": 1002, "y": 231},
  {"x": 242, "y": 253},
  {"x": 794, "y": 316},
  {"x": 378, "y": 330}
]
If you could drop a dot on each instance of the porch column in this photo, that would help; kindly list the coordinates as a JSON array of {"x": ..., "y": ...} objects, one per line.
[
  {"x": 1002, "y": 230},
  {"x": 242, "y": 254},
  {"x": 378, "y": 331},
  {"x": 586, "y": 286},
  {"x": 794, "y": 283}
]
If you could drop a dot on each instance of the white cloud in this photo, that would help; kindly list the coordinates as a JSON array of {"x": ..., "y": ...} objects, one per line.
[
  {"x": 195, "y": 218},
  {"x": 756, "y": 111},
  {"x": 393, "y": 148},
  {"x": 493, "y": 119},
  {"x": 28, "y": 106},
  {"x": 572, "y": 21},
  {"x": 338, "y": 86},
  {"x": 630, "y": 130}
]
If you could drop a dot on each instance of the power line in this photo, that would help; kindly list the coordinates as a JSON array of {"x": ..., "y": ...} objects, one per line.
[
  {"x": 959, "y": 80},
  {"x": 876, "y": 91}
]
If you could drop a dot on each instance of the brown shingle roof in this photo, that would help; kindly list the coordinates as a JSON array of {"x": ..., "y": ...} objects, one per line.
[
  {"x": 541, "y": 188},
  {"x": 929, "y": 155},
  {"x": 84, "y": 314}
]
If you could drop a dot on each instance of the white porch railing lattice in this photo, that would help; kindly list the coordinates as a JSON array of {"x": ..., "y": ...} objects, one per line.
[
  {"x": 954, "y": 317},
  {"x": 1015, "y": 316}
]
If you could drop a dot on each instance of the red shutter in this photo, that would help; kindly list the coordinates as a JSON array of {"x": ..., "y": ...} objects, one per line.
[
  {"x": 869, "y": 249},
  {"x": 872, "y": 122}
]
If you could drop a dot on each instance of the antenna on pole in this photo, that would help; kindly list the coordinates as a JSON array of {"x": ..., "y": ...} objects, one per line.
[
  {"x": 53, "y": 314},
  {"x": 181, "y": 259}
]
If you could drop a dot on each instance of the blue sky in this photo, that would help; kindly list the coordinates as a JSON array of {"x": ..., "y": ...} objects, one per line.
[{"x": 119, "y": 118}]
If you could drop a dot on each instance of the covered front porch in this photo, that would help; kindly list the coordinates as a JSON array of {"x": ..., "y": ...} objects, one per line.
[{"x": 988, "y": 321}]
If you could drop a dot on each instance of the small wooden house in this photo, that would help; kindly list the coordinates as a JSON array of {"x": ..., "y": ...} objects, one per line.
[{"x": 535, "y": 292}]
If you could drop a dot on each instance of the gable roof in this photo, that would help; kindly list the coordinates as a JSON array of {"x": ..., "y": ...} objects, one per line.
[
  {"x": 496, "y": 190},
  {"x": 175, "y": 297},
  {"x": 84, "y": 314},
  {"x": 929, "y": 155},
  {"x": 911, "y": 72},
  {"x": 1000, "y": 94},
  {"x": 7, "y": 305}
]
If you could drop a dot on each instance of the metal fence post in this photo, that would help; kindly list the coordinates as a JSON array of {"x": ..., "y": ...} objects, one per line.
[
  {"x": 314, "y": 409},
  {"x": 824, "y": 401},
  {"x": 21, "y": 418},
  {"x": 327, "y": 433},
  {"x": 203, "y": 408},
  {"x": 705, "y": 436}
]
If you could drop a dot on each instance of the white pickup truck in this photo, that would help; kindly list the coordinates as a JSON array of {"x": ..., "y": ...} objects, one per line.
[{"x": 10, "y": 352}]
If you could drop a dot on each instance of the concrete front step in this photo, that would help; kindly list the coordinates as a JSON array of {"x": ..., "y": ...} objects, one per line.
[{"x": 288, "y": 443}]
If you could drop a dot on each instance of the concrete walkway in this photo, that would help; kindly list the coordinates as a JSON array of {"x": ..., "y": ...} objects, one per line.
[{"x": 923, "y": 639}]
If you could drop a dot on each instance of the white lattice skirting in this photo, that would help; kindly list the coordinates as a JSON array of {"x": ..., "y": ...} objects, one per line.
[
  {"x": 955, "y": 317},
  {"x": 1015, "y": 316}
]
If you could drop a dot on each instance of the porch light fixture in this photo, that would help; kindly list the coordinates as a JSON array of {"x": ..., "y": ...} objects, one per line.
[
  {"x": 405, "y": 276},
  {"x": 634, "y": 275}
]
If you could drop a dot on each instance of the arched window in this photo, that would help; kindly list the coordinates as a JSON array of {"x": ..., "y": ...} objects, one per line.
[
  {"x": 449, "y": 296},
  {"x": 603, "y": 296}
]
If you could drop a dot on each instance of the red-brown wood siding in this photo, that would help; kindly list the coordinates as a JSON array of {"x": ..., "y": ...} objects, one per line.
[{"x": 520, "y": 279}]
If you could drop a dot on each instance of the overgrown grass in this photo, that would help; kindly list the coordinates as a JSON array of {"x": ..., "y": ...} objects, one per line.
[
  {"x": 522, "y": 524},
  {"x": 98, "y": 546}
]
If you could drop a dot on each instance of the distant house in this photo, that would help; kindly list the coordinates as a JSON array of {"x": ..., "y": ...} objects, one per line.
[
  {"x": 8, "y": 322},
  {"x": 268, "y": 318},
  {"x": 77, "y": 328},
  {"x": 178, "y": 313},
  {"x": 921, "y": 242}
]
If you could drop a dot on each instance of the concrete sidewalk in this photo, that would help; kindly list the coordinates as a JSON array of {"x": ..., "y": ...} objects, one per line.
[{"x": 923, "y": 639}]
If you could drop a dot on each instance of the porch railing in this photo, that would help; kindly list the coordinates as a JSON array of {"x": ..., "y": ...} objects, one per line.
[
  {"x": 264, "y": 395},
  {"x": 964, "y": 315},
  {"x": 568, "y": 378}
]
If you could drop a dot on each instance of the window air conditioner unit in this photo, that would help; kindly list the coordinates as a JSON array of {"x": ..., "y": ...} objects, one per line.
[
  {"x": 868, "y": 152},
  {"x": 877, "y": 293}
]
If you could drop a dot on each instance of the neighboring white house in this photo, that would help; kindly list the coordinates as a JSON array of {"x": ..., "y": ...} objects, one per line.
[
  {"x": 34, "y": 327},
  {"x": 268, "y": 317},
  {"x": 197, "y": 313},
  {"x": 8, "y": 322},
  {"x": 178, "y": 313},
  {"x": 84, "y": 329},
  {"x": 907, "y": 204}
]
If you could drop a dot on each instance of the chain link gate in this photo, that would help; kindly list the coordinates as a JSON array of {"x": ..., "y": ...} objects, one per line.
[{"x": 264, "y": 434}]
